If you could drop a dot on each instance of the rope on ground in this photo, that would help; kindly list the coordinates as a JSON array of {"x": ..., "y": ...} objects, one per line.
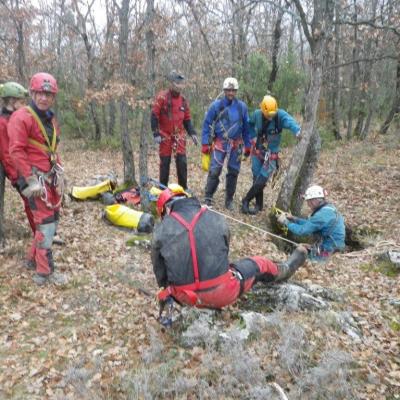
[{"x": 253, "y": 227}]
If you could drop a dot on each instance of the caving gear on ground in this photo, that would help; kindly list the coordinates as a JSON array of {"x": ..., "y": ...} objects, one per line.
[
  {"x": 226, "y": 127},
  {"x": 292, "y": 264},
  {"x": 92, "y": 192},
  {"x": 326, "y": 224},
  {"x": 315, "y": 192},
  {"x": 13, "y": 89},
  {"x": 126, "y": 217},
  {"x": 43, "y": 82},
  {"x": 170, "y": 118},
  {"x": 34, "y": 136},
  {"x": 190, "y": 259},
  {"x": 230, "y": 83},
  {"x": 269, "y": 106}
]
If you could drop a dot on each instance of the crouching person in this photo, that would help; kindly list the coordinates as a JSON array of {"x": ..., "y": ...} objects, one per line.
[
  {"x": 190, "y": 257},
  {"x": 34, "y": 136}
]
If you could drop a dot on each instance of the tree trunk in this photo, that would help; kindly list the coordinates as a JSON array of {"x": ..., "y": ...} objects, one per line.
[
  {"x": 321, "y": 27},
  {"x": 112, "y": 110},
  {"x": 336, "y": 92},
  {"x": 354, "y": 75},
  {"x": 395, "y": 110},
  {"x": 127, "y": 152},
  {"x": 2, "y": 188},
  {"x": 275, "y": 51},
  {"x": 145, "y": 128}
]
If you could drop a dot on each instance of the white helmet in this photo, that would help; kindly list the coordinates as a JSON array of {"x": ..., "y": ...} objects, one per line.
[
  {"x": 314, "y": 192},
  {"x": 231, "y": 83}
]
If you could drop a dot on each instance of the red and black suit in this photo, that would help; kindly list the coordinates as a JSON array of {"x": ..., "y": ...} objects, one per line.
[
  {"x": 170, "y": 118},
  {"x": 29, "y": 157},
  {"x": 190, "y": 258},
  {"x": 5, "y": 159}
]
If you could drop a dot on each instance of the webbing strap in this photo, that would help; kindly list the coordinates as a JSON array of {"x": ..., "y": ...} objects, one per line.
[
  {"x": 51, "y": 147},
  {"x": 192, "y": 241}
]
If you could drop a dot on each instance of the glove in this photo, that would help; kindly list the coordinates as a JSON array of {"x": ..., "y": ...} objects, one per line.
[
  {"x": 157, "y": 137},
  {"x": 205, "y": 149},
  {"x": 34, "y": 188},
  {"x": 247, "y": 151},
  {"x": 282, "y": 219},
  {"x": 195, "y": 140}
]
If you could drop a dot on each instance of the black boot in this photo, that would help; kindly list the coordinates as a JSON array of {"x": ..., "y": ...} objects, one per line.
[
  {"x": 292, "y": 264},
  {"x": 255, "y": 190},
  {"x": 165, "y": 162},
  {"x": 211, "y": 185},
  {"x": 181, "y": 170},
  {"x": 230, "y": 187},
  {"x": 259, "y": 202}
]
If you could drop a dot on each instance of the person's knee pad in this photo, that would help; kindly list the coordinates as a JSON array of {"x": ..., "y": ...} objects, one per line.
[{"x": 45, "y": 235}]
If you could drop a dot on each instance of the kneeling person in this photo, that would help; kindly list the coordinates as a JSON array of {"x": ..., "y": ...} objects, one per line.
[{"x": 190, "y": 256}]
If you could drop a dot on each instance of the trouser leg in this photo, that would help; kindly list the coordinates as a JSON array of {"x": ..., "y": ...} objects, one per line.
[
  {"x": 230, "y": 186},
  {"x": 165, "y": 162},
  {"x": 181, "y": 170},
  {"x": 212, "y": 184}
]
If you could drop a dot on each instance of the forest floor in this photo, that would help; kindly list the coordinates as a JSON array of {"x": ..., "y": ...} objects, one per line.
[{"x": 97, "y": 337}]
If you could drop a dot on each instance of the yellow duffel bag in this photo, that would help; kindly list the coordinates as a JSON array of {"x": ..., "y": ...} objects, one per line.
[
  {"x": 126, "y": 217},
  {"x": 92, "y": 192}
]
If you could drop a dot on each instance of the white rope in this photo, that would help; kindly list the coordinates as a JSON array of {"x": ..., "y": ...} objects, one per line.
[{"x": 252, "y": 226}]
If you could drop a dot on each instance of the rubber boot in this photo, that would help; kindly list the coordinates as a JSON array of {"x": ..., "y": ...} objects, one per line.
[
  {"x": 254, "y": 191},
  {"x": 259, "y": 202},
  {"x": 211, "y": 185},
  {"x": 230, "y": 187},
  {"x": 165, "y": 162},
  {"x": 292, "y": 264},
  {"x": 181, "y": 170}
]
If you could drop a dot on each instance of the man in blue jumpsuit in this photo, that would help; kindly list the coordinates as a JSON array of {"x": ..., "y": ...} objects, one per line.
[
  {"x": 225, "y": 132},
  {"x": 325, "y": 223},
  {"x": 266, "y": 125}
]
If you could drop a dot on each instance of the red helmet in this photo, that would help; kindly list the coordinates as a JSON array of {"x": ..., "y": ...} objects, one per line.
[
  {"x": 43, "y": 82},
  {"x": 165, "y": 197}
]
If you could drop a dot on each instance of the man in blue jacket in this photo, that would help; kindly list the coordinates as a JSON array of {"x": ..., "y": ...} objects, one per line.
[
  {"x": 266, "y": 125},
  {"x": 325, "y": 223},
  {"x": 225, "y": 132}
]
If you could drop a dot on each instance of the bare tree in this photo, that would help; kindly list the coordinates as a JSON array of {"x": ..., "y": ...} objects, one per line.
[
  {"x": 300, "y": 173},
  {"x": 127, "y": 151}
]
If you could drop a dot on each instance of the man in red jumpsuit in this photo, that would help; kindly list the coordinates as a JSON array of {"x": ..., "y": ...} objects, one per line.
[
  {"x": 14, "y": 97},
  {"x": 190, "y": 257},
  {"x": 170, "y": 120},
  {"x": 34, "y": 136}
]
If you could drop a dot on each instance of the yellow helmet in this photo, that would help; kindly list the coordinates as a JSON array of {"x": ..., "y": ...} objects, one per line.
[{"x": 269, "y": 106}]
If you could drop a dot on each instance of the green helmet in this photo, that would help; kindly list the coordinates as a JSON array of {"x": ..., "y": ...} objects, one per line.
[{"x": 13, "y": 89}]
